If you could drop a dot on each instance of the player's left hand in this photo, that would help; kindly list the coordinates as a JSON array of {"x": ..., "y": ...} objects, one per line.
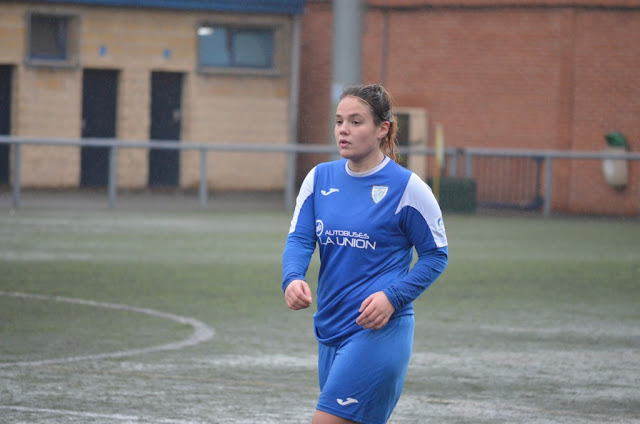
[{"x": 375, "y": 311}]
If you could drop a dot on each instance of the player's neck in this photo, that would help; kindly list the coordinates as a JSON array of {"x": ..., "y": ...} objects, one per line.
[{"x": 366, "y": 163}]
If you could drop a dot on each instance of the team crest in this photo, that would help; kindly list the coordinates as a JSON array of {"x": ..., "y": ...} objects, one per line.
[{"x": 378, "y": 193}]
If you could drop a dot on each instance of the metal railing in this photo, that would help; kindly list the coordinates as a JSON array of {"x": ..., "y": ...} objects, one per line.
[
  {"x": 547, "y": 157},
  {"x": 113, "y": 145},
  {"x": 453, "y": 157}
]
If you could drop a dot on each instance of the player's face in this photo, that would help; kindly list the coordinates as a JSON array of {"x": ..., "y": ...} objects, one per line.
[{"x": 357, "y": 135}]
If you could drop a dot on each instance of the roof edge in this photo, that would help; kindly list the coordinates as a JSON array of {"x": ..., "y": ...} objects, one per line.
[{"x": 289, "y": 7}]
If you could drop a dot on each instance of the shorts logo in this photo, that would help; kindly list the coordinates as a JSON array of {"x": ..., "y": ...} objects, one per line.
[
  {"x": 378, "y": 193},
  {"x": 349, "y": 401}
]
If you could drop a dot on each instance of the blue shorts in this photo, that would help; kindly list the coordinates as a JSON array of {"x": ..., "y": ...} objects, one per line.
[{"x": 361, "y": 379}]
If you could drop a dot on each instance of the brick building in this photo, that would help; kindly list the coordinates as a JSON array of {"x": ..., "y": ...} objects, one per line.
[
  {"x": 190, "y": 70},
  {"x": 525, "y": 74}
]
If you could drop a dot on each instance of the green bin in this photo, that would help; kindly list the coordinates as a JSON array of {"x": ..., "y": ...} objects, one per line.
[{"x": 457, "y": 194}]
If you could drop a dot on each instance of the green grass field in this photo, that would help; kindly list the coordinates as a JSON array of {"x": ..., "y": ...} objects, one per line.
[{"x": 124, "y": 316}]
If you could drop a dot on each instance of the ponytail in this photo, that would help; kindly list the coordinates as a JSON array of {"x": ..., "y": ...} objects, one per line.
[{"x": 390, "y": 141}]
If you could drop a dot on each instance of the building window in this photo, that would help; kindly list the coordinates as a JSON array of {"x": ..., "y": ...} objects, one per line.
[
  {"x": 235, "y": 47},
  {"x": 51, "y": 38}
]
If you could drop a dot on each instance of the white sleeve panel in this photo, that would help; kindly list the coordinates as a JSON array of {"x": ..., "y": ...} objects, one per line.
[
  {"x": 419, "y": 196},
  {"x": 306, "y": 190}
]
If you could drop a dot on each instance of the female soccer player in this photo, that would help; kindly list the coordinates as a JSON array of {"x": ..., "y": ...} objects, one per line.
[{"x": 366, "y": 213}]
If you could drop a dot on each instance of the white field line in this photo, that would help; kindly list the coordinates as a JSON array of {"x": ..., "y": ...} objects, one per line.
[
  {"x": 119, "y": 417},
  {"x": 201, "y": 331}
]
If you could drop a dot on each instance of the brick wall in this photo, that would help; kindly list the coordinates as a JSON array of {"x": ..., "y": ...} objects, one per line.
[
  {"x": 529, "y": 75},
  {"x": 606, "y": 98},
  {"x": 315, "y": 81}
]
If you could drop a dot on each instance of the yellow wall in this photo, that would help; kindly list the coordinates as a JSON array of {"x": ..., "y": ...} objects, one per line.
[{"x": 216, "y": 107}]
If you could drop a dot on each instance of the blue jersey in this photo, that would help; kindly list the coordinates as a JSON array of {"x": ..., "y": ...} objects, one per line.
[{"x": 365, "y": 226}]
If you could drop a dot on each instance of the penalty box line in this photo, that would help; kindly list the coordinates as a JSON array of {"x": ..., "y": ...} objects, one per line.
[{"x": 201, "y": 331}]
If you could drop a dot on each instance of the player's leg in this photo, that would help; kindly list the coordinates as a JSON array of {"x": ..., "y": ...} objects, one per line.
[
  {"x": 322, "y": 417},
  {"x": 361, "y": 380}
]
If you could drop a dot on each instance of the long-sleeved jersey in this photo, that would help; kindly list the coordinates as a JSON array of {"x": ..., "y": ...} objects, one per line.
[{"x": 365, "y": 226}]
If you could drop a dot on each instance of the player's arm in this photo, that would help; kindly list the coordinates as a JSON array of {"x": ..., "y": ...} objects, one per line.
[
  {"x": 377, "y": 309},
  {"x": 301, "y": 243},
  {"x": 430, "y": 265},
  {"x": 421, "y": 221}
]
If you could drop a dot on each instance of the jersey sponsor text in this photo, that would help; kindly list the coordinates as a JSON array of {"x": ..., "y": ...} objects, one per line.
[{"x": 343, "y": 238}]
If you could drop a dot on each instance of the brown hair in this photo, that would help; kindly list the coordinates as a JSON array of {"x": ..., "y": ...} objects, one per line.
[{"x": 380, "y": 103}]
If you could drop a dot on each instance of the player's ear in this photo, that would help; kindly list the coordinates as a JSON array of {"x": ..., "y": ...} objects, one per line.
[{"x": 383, "y": 129}]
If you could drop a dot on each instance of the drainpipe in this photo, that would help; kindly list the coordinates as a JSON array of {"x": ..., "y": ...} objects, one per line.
[
  {"x": 347, "y": 51},
  {"x": 294, "y": 95}
]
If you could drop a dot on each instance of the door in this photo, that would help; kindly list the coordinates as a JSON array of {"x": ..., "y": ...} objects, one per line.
[
  {"x": 6, "y": 72},
  {"x": 166, "y": 125},
  {"x": 99, "y": 100}
]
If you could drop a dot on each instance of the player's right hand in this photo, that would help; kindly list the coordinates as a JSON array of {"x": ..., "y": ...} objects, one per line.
[{"x": 298, "y": 295}]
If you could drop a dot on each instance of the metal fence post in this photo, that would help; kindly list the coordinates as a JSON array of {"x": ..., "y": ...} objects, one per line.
[
  {"x": 548, "y": 184},
  {"x": 113, "y": 175},
  {"x": 467, "y": 164},
  {"x": 203, "y": 178},
  {"x": 17, "y": 147},
  {"x": 453, "y": 171}
]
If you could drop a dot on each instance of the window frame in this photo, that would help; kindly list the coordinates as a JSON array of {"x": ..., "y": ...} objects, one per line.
[
  {"x": 233, "y": 68},
  {"x": 71, "y": 40}
]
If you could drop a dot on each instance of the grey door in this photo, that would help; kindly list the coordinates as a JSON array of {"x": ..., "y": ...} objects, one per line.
[
  {"x": 99, "y": 102},
  {"x": 166, "y": 125}
]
